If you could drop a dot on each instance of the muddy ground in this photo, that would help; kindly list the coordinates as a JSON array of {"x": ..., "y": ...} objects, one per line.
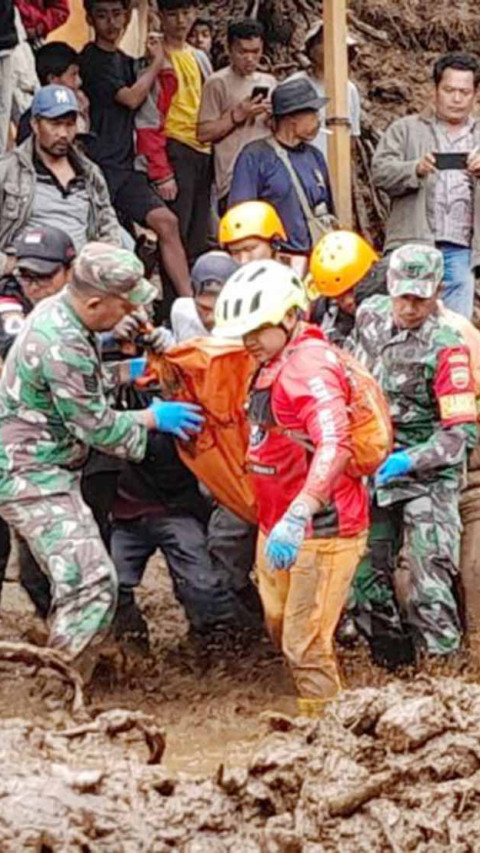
[{"x": 196, "y": 752}]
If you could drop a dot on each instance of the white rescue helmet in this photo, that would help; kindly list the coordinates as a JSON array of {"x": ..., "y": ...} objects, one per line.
[{"x": 260, "y": 293}]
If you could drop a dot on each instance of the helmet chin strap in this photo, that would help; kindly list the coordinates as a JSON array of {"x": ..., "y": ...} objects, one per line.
[{"x": 289, "y": 332}]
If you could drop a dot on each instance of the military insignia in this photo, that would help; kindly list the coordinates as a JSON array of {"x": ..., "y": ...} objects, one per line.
[
  {"x": 460, "y": 377},
  {"x": 13, "y": 322},
  {"x": 458, "y": 407},
  {"x": 91, "y": 384},
  {"x": 458, "y": 358}
]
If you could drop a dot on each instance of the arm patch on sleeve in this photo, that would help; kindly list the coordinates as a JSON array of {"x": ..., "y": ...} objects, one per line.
[
  {"x": 454, "y": 387},
  {"x": 91, "y": 383}
]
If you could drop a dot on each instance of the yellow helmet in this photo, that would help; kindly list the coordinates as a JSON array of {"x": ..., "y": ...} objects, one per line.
[
  {"x": 250, "y": 219},
  {"x": 338, "y": 262},
  {"x": 260, "y": 292}
]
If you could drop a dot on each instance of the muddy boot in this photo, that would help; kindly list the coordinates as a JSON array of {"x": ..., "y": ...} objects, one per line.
[
  {"x": 346, "y": 634},
  {"x": 131, "y": 629},
  {"x": 107, "y": 653},
  {"x": 392, "y": 652}
]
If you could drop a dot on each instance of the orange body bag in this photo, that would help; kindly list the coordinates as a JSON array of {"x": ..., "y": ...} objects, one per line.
[{"x": 216, "y": 375}]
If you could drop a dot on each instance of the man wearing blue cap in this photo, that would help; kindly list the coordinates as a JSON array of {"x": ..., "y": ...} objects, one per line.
[{"x": 46, "y": 181}]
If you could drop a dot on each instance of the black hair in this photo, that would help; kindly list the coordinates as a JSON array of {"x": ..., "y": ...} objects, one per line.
[
  {"x": 53, "y": 59},
  {"x": 207, "y": 288},
  {"x": 248, "y": 28},
  {"x": 203, "y": 22},
  {"x": 171, "y": 5},
  {"x": 459, "y": 62},
  {"x": 89, "y": 5}
]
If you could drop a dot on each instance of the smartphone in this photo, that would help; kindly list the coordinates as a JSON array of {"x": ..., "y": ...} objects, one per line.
[
  {"x": 451, "y": 161},
  {"x": 258, "y": 91}
]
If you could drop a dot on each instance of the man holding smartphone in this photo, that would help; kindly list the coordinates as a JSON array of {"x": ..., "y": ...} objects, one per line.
[
  {"x": 235, "y": 103},
  {"x": 429, "y": 166}
]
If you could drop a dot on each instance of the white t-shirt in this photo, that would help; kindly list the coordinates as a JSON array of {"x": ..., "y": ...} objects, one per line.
[
  {"x": 354, "y": 110},
  {"x": 185, "y": 320}
]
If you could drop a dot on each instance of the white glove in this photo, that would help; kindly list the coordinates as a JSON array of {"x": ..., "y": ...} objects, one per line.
[
  {"x": 129, "y": 327},
  {"x": 159, "y": 340}
]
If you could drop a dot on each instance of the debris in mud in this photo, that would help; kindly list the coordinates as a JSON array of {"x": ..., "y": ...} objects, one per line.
[{"x": 396, "y": 768}]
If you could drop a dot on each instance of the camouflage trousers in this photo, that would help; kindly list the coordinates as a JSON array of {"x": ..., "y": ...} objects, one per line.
[
  {"x": 405, "y": 592},
  {"x": 64, "y": 538}
]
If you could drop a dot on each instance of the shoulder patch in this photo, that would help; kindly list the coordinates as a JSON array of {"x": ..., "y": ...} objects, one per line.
[{"x": 454, "y": 387}]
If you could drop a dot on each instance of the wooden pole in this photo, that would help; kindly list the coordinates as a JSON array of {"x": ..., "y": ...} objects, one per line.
[{"x": 336, "y": 84}]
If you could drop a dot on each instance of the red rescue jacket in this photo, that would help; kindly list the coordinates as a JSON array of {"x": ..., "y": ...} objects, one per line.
[{"x": 305, "y": 390}]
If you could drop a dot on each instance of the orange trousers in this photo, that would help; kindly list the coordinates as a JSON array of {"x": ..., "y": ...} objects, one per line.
[{"x": 302, "y": 608}]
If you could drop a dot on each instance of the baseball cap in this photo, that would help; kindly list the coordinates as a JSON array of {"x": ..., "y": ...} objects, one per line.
[
  {"x": 54, "y": 101},
  {"x": 212, "y": 266},
  {"x": 415, "y": 270},
  {"x": 317, "y": 28},
  {"x": 293, "y": 96},
  {"x": 43, "y": 250},
  {"x": 115, "y": 271}
]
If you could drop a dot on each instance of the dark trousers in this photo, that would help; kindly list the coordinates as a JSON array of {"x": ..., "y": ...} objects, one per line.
[
  {"x": 201, "y": 587},
  {"x": 193, "y": 174},
  {"x": 232, "y": 545}
]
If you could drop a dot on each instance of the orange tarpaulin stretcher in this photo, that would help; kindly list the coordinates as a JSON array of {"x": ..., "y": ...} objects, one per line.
[{"x": 216, "y": 375}]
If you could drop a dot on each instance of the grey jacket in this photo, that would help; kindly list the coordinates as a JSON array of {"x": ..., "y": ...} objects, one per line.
[
  {"x": 17, "y": 191},
  {"x": 412, "y": 212}
]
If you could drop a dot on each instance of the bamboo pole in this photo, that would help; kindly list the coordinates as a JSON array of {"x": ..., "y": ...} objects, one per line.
[{"x": 336, "y": 84}]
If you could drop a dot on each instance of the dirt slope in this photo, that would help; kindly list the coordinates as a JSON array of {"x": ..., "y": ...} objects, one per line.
[{"x": 398, "y": 41}]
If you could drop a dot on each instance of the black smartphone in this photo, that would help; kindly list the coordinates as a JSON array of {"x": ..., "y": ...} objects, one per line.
[
  {"x": 451, "y": 161},
  {"x": 260, "y": 91}
]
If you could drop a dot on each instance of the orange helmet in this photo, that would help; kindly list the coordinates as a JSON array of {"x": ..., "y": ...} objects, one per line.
[
  {"x": 250, "y": 219},
  {"x": 338, "y": 262}
]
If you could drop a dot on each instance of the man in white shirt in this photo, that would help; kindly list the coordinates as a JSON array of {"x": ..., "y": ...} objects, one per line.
[{"x": 316, "y": 74}]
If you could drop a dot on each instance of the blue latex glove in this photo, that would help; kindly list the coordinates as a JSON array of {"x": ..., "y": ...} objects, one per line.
[
  {"x": 397, "y": 465},
  {"x": 137, "y": 368},
  {"x": 181, "y": 419},
  {"x": 285, "y": 541}
]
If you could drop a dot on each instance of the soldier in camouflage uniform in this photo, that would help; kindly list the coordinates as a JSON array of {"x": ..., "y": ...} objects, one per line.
[
  {"x": 53, "y": 408},
  {"x": 424, "y": 370}
]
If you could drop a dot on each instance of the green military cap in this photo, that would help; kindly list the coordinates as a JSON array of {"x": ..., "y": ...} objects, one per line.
[
  {"x": 416, "y": 270},
  {"x": 115, "y": 271}
]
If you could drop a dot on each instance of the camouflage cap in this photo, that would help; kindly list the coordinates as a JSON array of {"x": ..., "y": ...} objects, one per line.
[
  {"x": 115, "y": 271},
  {"x": 415, "y": 269}
]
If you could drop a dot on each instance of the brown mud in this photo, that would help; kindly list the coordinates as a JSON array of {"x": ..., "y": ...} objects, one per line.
[
  {"x": 196, "y": 751},
  {"x": 200, "y": 752}
]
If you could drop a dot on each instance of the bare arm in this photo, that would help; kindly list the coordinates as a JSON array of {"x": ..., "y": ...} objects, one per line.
[
  {"x": 216, "y": 129},
  {"x": 134, "y": 96}
]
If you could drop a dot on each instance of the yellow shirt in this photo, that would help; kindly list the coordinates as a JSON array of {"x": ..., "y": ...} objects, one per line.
[{"x": 183, "y": 113}]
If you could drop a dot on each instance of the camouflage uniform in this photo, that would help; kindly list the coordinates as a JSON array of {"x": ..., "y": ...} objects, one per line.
[
  {"x": 52, "y": 409},
  {"x": 425, "y": 374}
]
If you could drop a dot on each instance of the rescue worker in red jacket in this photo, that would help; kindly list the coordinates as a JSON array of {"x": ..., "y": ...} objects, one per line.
[{"x": 313, "y": 515}]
